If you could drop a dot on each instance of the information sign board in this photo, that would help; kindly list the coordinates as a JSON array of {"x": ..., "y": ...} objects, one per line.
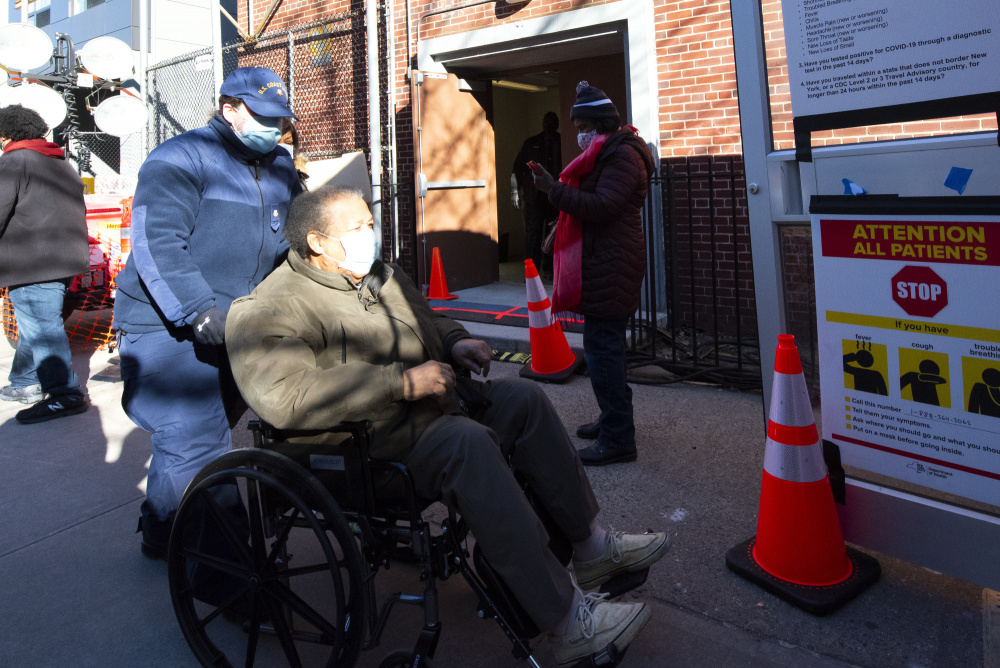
[
  {"x": 909, "y": 343},
  {"x": 862, "y": 62}
]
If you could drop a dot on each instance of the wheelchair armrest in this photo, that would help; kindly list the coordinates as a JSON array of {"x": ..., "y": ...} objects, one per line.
[{"x": 271, "y": 432}]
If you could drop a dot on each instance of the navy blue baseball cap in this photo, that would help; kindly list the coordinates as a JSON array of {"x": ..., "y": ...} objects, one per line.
[{"x": 261, "y": 90}]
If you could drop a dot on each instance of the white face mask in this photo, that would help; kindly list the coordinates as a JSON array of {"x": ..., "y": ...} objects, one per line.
[
  {"x": 584, "y": 139},
  {"x": 360, "y": 250}
]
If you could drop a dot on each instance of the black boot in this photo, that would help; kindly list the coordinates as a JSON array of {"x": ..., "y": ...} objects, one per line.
[
  {"x": 589, "y": 431},
  {"x": 606, "y": 452}
]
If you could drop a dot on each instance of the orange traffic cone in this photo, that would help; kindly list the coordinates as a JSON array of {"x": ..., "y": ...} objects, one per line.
[
  {"x": 439, "y": 286},
  {"x": 551, "y": 358},
  {"x": 798, "y": 553}
]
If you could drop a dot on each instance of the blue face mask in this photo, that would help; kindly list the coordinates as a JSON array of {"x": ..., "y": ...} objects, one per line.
[{"x": 258, "y": 136}]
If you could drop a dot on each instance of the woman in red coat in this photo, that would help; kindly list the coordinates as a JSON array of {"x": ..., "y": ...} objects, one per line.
[{"x": 600, "y": 258}]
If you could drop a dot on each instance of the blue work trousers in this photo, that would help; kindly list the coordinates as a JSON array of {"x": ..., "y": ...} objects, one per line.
[
  {"x": 184, "y": 395},
  {"x": 604, "y": 347},
  {"x": 42, "y": 356}
]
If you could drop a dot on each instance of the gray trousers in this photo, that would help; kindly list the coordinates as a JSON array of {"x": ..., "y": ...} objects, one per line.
[{"x": 465, "y": 464}]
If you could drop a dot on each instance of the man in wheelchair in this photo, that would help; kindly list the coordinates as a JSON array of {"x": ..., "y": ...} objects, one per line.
[{"x": 334, "y": 335}]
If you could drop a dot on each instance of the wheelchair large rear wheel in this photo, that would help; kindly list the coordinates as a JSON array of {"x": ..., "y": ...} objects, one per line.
[{"x": 264, "y": 568}]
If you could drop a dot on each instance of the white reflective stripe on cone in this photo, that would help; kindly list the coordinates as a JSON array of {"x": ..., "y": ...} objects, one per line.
[
  {"x": 795, "y": 463},
  {"x": 540, "y": 319},
  {"x": 536, "y": 291},
  {"x": 790, "y": 404}
]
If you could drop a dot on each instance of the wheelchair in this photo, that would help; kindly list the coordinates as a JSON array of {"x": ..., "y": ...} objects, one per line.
[{"x": 274, "y": 551}]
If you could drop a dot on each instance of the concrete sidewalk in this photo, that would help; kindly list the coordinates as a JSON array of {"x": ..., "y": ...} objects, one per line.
[{"x": 75, "y": 590}]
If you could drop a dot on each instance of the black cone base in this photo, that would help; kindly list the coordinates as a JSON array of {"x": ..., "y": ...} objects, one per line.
[
  {"x": 557, "y": 377},
  {"x": 816, "y": 600}
]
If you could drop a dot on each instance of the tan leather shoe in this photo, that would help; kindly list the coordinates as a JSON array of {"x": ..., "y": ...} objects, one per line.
[
  {"x": 598, "y": 623},
  {"x": 623, "y": 553}
]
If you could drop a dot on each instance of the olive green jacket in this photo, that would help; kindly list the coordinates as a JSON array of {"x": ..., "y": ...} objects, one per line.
[{"x": 307, "y": 352}]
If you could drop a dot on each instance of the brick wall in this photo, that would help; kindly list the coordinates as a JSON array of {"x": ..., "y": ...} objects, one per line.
[{"x": 707, "y": 238}]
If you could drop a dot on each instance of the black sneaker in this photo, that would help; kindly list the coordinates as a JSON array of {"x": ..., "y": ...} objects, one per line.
[{"x": 53, "y": 407}]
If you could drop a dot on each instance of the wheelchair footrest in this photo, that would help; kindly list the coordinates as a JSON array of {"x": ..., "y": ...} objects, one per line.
[
  {"x": 623, "y": 583},
  {"x": 607, "y": 658}
]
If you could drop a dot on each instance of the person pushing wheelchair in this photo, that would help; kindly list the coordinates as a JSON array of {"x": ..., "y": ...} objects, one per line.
[{"x": 334, "y": 334}]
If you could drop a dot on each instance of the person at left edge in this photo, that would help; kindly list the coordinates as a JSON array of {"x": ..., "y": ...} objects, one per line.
[
  {"x": 207, "y": 221},
  {"x": 43, "y": 244}
]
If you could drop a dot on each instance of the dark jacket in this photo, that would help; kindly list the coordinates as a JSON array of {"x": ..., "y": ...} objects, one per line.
[
  {"x": 609, "y": 202},
  {"x": 43, "y": 220},
  {"x": 546, "y": 151},
  {"x": 307, "y": 353},
  {"x": 207, "y": 223}
]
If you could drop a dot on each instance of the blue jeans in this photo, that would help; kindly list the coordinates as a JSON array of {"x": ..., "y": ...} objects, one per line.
[
  {"x": 604, "y": 347},
  {"x": 42, "y": 356},
  {"x": 183, "y": 394}
]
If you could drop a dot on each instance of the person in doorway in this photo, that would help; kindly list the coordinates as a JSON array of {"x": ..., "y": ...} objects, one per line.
[
  {"x": 334, "y": 334},
  {"x": 545, "y": 149},
  {"x": 206, "y": 228},
  {"x": 600, "y": 259},
  {"x": 43, "y": 244}
]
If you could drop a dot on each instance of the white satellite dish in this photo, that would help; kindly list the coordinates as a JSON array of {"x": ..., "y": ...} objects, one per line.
[
  {"x": 24, "y": 47},
  {"x": 108, "y": 58},
  {"x": 121, "y": 115},
  {"x": 49, "y": 104}
]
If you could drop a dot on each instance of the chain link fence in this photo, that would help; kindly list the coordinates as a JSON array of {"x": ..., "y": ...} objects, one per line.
[{"x": 323, "y": 65}]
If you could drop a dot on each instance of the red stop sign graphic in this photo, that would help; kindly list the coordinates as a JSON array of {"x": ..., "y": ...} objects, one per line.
[{"x": 919, "y": 291}]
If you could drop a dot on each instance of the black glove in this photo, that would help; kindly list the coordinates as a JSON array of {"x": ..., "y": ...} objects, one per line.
[{"x": 210, "y": 327}]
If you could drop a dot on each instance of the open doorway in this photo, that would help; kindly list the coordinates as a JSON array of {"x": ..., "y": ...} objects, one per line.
[
  {"x": 519, "y": 105},
  {"x": 472, "y": 117},
  {"x": 520, "y": 101}
]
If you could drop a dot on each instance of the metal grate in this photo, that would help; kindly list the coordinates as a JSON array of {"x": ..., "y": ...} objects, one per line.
[{"x": 710, "y": 332}]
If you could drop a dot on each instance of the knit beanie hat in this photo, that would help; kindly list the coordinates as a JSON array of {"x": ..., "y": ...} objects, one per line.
[{"x": 592, "y": 103}]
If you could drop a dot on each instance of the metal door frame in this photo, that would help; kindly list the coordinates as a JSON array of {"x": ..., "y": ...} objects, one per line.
[{"x": 633, "y": 18}]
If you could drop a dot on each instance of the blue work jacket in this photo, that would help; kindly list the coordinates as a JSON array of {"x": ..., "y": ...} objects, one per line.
[{"x": 207, "y": 227}]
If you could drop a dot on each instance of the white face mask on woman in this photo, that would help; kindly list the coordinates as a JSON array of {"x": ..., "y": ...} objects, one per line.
[
  {"x": 584, "y": 139},
  {"x": 360, "y": 250}
]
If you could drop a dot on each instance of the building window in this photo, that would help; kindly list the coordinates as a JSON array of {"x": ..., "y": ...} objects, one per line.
[
  {"x": 80, "y": 6},
  {"x": 41, "y": 19}
]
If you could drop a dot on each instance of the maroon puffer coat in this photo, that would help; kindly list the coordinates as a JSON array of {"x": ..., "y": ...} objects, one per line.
[{"x": 609, "y": 203}]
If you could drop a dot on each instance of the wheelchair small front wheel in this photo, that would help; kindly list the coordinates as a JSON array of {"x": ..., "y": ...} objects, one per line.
[
  {"x": 263, "y": 568},
  {"x": 402, "y": 658}
]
